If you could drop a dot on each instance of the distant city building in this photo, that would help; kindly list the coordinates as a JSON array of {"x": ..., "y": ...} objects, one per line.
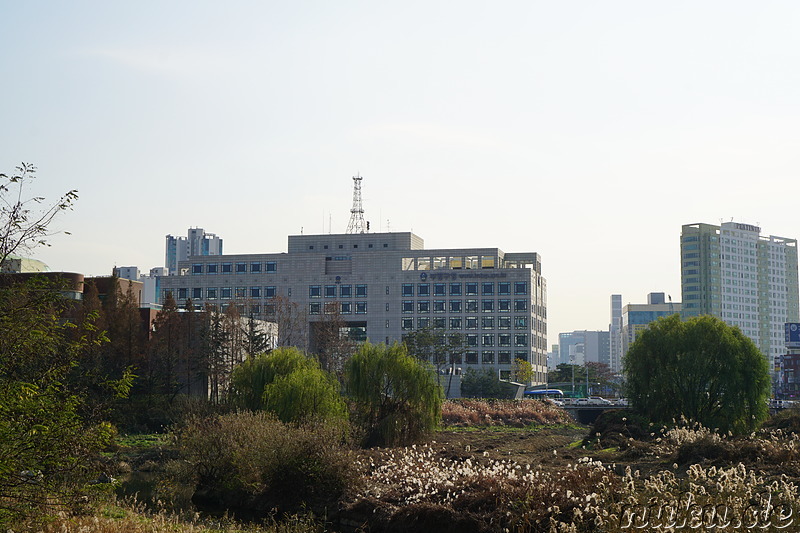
[
  {"x": 151, "y": 282},
  {"x": 582, "y": 346},
  {"x": 382, "y": 286},
  {"x": 637, "y": 317},
  {"x": 748, "y": 280},
  {"x": 614, "y": 334},
  {"x": 197, "y": 242}
]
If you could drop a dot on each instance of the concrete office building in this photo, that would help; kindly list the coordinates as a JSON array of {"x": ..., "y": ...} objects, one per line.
[
  {"x": 748, "y": 280},
  {"x": 381, "y": 286},
  {"x": 197, "y": 242},
  {"x": 637, "y": 317}
]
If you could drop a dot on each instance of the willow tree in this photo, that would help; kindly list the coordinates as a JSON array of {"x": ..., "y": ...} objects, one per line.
[
  {"x": 289, "y": 384},
  {"x": 701, "y": 369},
  {"x": 396, "y": 396}
]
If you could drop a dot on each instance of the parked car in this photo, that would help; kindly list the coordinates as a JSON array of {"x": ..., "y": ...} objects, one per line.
[{"x": 593, "y": 401}]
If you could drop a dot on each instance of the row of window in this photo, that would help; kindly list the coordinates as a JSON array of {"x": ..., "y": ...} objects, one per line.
[
  {"x": 345, "y": 308},
  {"x": 329, "y": 291},
  {"x": 463, "y": 306},
  {"x": 487, "y": 288},
  {"x": 488, "y": 357},
  {"x": 226, "y": 293},
  {"x": 237, "y": 268},
  {"x": 470, "y": 322}
]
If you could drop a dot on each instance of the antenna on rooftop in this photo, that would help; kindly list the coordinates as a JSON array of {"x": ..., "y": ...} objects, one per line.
[{"x": 357, "y": 223}]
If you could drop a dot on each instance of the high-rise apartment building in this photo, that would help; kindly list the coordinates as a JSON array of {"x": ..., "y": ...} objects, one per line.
[
  {"x": 748, "y": 280},
  {"x": 197, "y": 242},
  {"x": 382, "y": 286},
  {"x": 614, "y": 338},
  {"x": 582, "y": 346}
]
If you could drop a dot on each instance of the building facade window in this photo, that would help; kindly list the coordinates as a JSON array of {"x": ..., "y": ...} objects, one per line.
[
  {"x": 504, "y": 322},
  {"x": 520, "y": 339},
  {"x": 227, "y": 268},
  {"x": 241, "y": 268},
  {"x": 345, "y": 291},
  {"x": 520, "y": 287},
  {"x": 455, "y": 322},
  {"x": 361, "y": 291},
  {"x": 423, "y": 322},
  {"x": 439, "y": 306},
  {"x": 487, "y": 339},
  {"x": 347, "y": 308},
  {"x": 407, "y": 290},
  {"x": 520, "y": 322},
  {"x": 197, "y": 293},
  {"x": 212, "y": 268},
  {"x": 423, "y": 289},
  {"x": 272, "y": 266},
  {"x": 487, "y": 288},
  {"x": 240, "y": 292},
  {"x": 471, "y": 322},
  {"x": 330, "y": 291},
  {"x": 471, "y": 288},
  {"x": 314, "y": 291},
  {"x": 407, "y": 324},
  {"x": 487, "y": 322},
  {"x": 520, "y": 305},
  {"x": 197, "y": 268},
  {"x": 424, "y": 306},
  {"x": 211, "y": 293},
  {"x": 407, "y": 306},
  {"x": 487, "y": 306},
  {"x": 455, "y": 306},
  {"x": 314, "y": 308},
  {"x": 471, "y": 358},
  {"x": 504, "y": 288},
  {"x": 361, "y": 308},
  {"x": 255, "y": 267},
  {"x": 455, "y": 289},
  {"x": 183, "y": 293},
  {"x": 471, "y": 306},
  {"x": 225, "y": 293},
  {"x": 255, "y": 292},
  {"x": 487, "y": 357},
  {"x": 439, "y": 289},
  {"x": 270, "y": 291},
  {"x": 504, "y": 357}
]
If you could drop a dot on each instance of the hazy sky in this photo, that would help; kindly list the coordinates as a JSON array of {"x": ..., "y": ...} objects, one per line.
[{"x": 586, "y": 131}]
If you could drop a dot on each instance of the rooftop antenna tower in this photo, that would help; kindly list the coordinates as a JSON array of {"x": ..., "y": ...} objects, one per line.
[{"x": 357, "y": 223}]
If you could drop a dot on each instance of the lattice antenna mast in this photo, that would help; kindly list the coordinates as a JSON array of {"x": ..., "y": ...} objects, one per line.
[{"x": 357, "y": 224}]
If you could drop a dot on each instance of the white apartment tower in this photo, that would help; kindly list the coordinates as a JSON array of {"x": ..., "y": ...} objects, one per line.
[
  {"x": 748, "y": 280},
  {"x": 614, "y": 338},
  {"x": 197, "y": 242}
]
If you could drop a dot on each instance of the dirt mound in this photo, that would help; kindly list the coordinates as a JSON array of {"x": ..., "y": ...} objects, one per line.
[{"x": 617, "y": 428}]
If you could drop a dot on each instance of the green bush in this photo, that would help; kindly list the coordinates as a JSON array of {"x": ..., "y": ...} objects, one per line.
[{"x": 253, "y": 461}]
